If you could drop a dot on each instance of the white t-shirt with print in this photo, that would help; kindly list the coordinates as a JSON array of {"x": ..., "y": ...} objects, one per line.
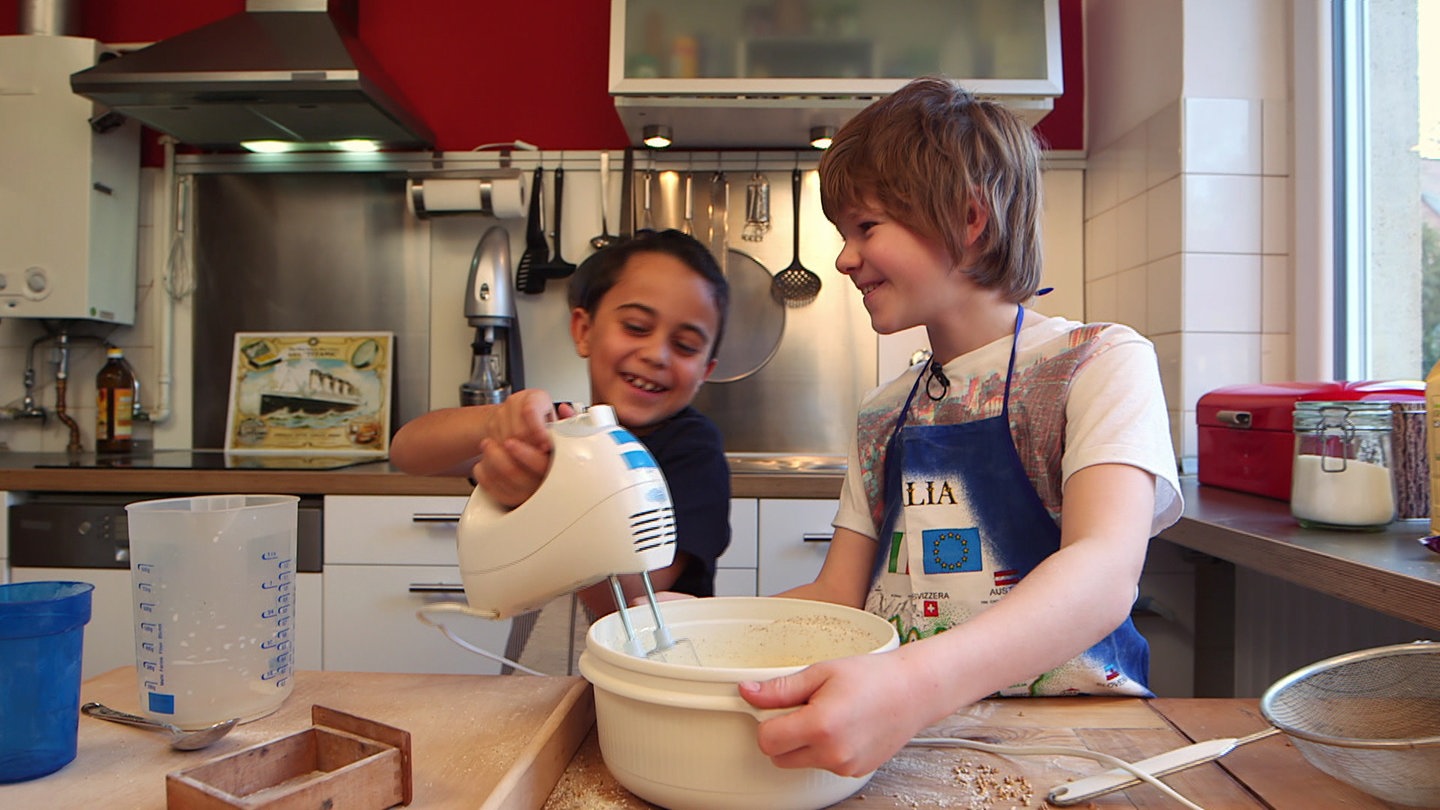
[{"x": 1082, "y": 394}]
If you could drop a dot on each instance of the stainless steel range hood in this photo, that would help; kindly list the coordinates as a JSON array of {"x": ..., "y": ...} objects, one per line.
[{"x": 287, "y": 70}]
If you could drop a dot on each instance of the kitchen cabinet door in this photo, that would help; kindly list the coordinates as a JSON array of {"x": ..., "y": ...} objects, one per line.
[
  {"x": 794, "y": 538},
  {"x": 371, "y": 623},
  {"x": 694, "y": 47},
  {"x": 735, "y": 573},
  {"x": 385, "y": 559}
]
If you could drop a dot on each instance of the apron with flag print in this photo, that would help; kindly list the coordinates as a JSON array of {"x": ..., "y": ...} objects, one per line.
[{"x": 964, "y": 525}]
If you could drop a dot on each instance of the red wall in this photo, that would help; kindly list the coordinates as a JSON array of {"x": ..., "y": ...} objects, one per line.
[{"x": 481, "y": 72}]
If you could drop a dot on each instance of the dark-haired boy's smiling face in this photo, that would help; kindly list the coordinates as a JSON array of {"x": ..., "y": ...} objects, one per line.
[{"x": 648, "y": 344}]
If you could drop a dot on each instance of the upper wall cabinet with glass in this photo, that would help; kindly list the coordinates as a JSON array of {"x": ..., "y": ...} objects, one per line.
[{"x": 825, "y": 56}]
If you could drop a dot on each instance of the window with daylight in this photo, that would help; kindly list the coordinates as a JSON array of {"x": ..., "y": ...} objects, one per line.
[{"x": 1387, "y": 188}]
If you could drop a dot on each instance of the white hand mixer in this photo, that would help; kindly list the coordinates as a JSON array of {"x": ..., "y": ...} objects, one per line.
[{"x": 603, "y": 510}]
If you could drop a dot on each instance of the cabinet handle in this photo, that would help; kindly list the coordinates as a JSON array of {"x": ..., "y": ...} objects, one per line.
[
  {"x": 435, "y": 587},
  {"x": 816, "y": 537},
  {"x": 434, "y": 517}
]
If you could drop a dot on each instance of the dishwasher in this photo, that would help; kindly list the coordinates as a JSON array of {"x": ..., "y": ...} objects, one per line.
[{"x": 85, "y": 537}]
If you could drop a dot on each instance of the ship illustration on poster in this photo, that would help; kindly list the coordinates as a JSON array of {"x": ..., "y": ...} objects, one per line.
[
  {"x": 300, "y": 386},
  {"x": 325, "y": 392}
]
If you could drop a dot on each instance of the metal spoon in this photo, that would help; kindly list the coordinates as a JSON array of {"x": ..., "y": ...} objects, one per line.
[
  {"x": 180, "y": 739},
  {"x": 605, "y": 239}
]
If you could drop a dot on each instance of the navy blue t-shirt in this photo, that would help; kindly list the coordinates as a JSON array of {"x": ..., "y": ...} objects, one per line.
[{"x": 691, "y": 454}]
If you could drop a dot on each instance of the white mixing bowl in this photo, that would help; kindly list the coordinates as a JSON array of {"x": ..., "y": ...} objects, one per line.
[{"x": 681, "y": 736}]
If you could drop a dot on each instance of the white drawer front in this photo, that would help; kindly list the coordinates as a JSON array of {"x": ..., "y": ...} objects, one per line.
[
  {"x": 736, "y": 582},
  {"x": 370, "y": 622},
  {"x": 744, "y": 535},
  {"x": 391, "y": 529},
  {"x": 794, "y": 538}
]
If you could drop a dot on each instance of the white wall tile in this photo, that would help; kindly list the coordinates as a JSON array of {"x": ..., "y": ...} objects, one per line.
[
  {"x": 1277, "y": 358},
  {"x": 1100, "y": 182},
  {"x": 1221, "y": 213},
  {"x": 1162, "y": 146},
  {"x": 1101, "y": 301},
  {"x": 1212, "y": 360},
  {"x": 1177, "y": 433},
  {"x": 1277, "y": 295},
  {"x": 1063, "y": 226},
  {"x": 1132, "y": 298},
  {"x": 1187, "y": 440},
  {"x": 1221, "y": 292},
  {"x": 1100, "y": 245},
  {"x": 1168, "y": 352},
  {"x": 1236, "y": 48},
  {"x": 1164, "y": 293},
  {"x": 1275, "y": 226},
  {"x": 1165, "y": 219},
  {"x": 1131, "y": 235},
  {"x": 1275, "y": 136},
  {"x": 1222, "y": 136},
  {"x": 1130, "y": 169}
]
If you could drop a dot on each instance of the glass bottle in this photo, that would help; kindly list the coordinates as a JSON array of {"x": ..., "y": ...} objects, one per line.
[
  {"x": 114, "y": 405},
  {"x": 1343, "y": 476}
]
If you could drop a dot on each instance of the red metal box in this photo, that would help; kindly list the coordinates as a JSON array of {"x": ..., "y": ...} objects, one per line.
[{"x": 1245, "y": 436}]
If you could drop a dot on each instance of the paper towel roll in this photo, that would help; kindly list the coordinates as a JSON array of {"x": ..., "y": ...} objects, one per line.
[
  {"x": 440, "y": 196},
  {"x": 507, "y": 197},
  {"x": 501, "y": 197}
]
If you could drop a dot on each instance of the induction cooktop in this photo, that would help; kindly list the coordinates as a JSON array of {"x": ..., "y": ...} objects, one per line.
[{"x": 210, "y": 460}]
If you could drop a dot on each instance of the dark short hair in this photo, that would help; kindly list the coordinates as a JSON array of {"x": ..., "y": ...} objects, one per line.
[
  {"x": 601, "y": 271},
  {"x": 923, "y": 153}
]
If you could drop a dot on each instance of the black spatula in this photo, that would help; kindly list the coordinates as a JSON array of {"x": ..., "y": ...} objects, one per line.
[
  {"x": 528, "y": 276},
  {"x": 556, "y": 267}
]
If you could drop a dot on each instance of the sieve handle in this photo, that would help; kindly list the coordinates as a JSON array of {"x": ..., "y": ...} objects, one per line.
[{"x": 1160, "y": 765}]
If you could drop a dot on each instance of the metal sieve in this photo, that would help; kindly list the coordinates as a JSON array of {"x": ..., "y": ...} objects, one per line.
[{"x": 1369, "y": 718}]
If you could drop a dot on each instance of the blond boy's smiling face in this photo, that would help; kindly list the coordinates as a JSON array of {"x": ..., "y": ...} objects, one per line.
[{"x": 648, "y": 344}]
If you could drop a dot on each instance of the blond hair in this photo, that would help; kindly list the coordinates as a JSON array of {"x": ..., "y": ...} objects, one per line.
[{"x": 923, "y": 154}]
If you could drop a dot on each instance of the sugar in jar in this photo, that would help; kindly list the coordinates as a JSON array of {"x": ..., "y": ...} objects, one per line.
[{"x": 1343, "y": 476}]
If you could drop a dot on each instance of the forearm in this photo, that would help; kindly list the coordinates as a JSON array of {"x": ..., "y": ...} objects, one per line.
[
  {"x": 443, "y": 442},
  {"x": 1062, "y": 608}
]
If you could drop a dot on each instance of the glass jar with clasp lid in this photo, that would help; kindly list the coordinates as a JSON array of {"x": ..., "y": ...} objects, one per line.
[{"x": 1342, "y": 475}]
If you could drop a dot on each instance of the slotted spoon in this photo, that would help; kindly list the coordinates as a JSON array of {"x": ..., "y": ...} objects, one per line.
[{"x": 796, "y": 285}]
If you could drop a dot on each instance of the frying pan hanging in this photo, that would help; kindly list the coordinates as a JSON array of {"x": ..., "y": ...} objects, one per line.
[{"x": 757, "y": 321}]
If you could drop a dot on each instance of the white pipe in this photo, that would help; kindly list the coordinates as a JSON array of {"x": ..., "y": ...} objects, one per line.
[{"x": 173, "y": 213}]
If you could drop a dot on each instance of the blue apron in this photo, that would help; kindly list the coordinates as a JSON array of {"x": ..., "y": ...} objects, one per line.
[{"x": 962, "y": 525}]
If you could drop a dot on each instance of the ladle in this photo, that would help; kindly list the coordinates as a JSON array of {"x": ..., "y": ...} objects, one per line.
[
  {"x": 605, "y": 239},
  {"x": 180, "y": 739},
  {"x": 796, "y": 285}
]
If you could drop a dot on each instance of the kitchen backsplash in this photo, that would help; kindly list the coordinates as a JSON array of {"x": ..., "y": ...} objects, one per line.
[{"x": 340, "y": 251}]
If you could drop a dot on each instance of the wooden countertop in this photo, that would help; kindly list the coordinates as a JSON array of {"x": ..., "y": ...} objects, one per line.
[
  {"x": 19, "y": 473},
  {"x": 1388, "y": 571},
  {"x": 463, "y": 742},
  {"x": 473, "y": 738}
]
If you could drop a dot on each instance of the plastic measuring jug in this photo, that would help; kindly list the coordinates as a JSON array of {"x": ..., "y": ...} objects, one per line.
[
  {"x": 42, "y": 636},
  {"x": 213, "y": 581}
]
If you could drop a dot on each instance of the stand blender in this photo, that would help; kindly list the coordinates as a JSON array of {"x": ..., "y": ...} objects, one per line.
[{"x": 495, "y": 365}]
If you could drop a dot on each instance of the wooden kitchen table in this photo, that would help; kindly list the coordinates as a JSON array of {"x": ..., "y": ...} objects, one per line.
[
  {"x": 489, "y": 741},
  {"x": 1269, "y": 773},
  {"x": 477, "y": 741}
]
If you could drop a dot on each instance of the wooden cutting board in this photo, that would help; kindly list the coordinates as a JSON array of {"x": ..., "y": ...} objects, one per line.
[{"x": 479, "y": 741}]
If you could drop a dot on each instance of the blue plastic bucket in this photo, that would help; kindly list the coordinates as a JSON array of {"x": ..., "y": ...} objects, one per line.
[{"x": 42, "y": 634}]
